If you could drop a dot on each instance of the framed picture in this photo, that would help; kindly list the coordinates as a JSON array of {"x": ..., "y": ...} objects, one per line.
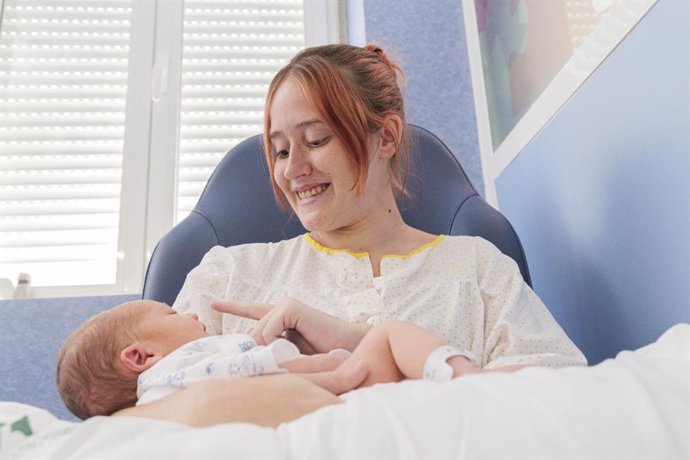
[{"x": 528, "y": 57}]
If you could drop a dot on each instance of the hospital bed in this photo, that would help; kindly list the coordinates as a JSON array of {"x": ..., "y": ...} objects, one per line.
[{"x": 636, "y": 405}]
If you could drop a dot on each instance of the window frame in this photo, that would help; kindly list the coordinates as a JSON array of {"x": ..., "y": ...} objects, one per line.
[{"x": 151, "y": 139}]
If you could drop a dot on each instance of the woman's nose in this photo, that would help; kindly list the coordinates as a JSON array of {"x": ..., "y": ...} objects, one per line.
[{"x": 297, "y": 164}]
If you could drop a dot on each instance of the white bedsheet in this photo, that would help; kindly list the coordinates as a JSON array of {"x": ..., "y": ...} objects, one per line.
[{"x": 634, "y": 406}]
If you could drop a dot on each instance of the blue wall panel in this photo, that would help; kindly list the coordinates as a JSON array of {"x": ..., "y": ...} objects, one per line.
[{"x": 601, "y": 197}]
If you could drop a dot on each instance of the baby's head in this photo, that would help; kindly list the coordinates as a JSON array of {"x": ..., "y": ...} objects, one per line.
[{"x": 100, "y": 362}]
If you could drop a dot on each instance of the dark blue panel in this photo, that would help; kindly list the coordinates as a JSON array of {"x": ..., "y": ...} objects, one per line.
[
  {"x": 31, "y": 334},
  {"x": 428, "y": 39}
]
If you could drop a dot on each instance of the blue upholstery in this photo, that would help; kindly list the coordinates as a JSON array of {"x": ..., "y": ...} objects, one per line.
[
  {"x": 238, "y": 206},
  {"x": 31, "y": 334}
]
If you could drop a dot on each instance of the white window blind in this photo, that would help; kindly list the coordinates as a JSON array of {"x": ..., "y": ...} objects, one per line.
[
  {"x": 231, "y": 50},
  {"x": 63, "y": 75},
  {"x": 114, "y": 113}
]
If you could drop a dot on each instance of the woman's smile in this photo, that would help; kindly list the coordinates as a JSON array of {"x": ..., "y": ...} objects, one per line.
[{"x": 310, "y": 194}]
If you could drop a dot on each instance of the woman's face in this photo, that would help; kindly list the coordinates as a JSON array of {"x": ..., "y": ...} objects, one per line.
[{"x": 312, "y": 168}]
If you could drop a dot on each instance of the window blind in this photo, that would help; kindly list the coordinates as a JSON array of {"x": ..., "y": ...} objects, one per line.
[
  {"x": 63, "y": 74},
  {"x": 231, "y": 51}
]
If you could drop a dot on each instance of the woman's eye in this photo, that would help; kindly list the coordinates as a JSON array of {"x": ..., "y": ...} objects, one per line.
[
  {"x": 318, "y": 142},
  {"x": 281, "y": 154}
]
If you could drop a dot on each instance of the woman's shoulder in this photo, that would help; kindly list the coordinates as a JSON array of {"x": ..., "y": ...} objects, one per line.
[
  {"x": 461, "y": 248},
  {"x": 255, "y": 262},
  {"x": 454, "y": 253},
  {"x": 466, "y": 242},
  {"x": 252, "y": 250},
  {"x": 460, "y": 242},
  {"x": 486, "y": 255}
]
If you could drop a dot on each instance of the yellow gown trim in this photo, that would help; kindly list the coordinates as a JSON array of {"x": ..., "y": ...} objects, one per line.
[{"x": 319, "y": 247}]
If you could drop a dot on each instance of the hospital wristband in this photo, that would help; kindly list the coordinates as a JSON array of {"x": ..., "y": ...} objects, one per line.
[{"x": 436, "y": 367}]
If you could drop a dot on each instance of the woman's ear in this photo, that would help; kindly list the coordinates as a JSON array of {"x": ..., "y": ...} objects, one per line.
[
  {"x": 390, "y": 135},
  {"x": 138, "y": 358}
]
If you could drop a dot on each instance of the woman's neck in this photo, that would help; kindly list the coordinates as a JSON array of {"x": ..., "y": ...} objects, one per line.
[
  {"x": 370, "y": 234},
  {"x": 389, "y": 237},
  {"x": 381, "y": 234},
  {"x": 380, "y": 231}
]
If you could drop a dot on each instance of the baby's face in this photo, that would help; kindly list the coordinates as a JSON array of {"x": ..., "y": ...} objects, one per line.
[{"x": 159, "y": 323}]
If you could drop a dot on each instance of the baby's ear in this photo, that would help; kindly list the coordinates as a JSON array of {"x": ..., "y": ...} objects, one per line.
[{"x": 137, "y": 358}]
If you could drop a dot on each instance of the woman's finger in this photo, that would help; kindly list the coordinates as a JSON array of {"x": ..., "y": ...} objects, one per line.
[
  {"x": 243, "y": 309},
  {"x": 274, "y": 325},
  {"x": 298, "y": 339},
  {"x": 257, "y": 331}
]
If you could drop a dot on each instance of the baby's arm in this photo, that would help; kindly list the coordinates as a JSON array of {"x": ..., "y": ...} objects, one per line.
[
  {"x": 327, "y": 370},
  {"x": 321, "y": 362},
  {"x": 344, "y": 378}
]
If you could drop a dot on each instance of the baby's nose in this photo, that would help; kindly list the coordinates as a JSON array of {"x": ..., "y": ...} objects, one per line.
[{"x": 194, "y": 316}]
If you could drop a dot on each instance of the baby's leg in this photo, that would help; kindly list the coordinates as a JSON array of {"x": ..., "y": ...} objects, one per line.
[
  {"x": 375, "y": 349},
  {"x": 396, "y": 350}
]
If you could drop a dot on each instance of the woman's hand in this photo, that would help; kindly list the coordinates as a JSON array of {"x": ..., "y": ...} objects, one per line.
[
  {"x": 267, "y": 400},
  {"x": 312, "y": 330}
]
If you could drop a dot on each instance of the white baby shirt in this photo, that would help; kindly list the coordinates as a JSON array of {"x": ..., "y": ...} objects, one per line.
[
  {"x": 462, "y": 288},
  {"x": 219, "y": 356}
]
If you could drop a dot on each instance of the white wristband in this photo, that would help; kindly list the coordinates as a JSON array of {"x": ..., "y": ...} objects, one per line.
[{"x": 437, "y": 369}]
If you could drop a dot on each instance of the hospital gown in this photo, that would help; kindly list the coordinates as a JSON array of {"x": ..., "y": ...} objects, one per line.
[{"x": 463, "y": 288}]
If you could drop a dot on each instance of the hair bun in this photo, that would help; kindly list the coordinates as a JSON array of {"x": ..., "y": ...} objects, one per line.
[
  {"x": 378, "y": 50},
  {"x": 393, "y": 67}
]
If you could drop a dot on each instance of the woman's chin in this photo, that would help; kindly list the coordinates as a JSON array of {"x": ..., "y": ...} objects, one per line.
[
  {"x": 310, "y": 218},
  {"x": 310, "y": 226},
  {"x": 312, "y": 223}
]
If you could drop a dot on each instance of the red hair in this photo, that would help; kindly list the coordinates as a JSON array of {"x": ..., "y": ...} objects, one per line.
[{"x": 353, "y": 89}]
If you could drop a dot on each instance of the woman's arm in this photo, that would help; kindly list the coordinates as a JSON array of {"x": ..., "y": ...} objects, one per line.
[
  {"x": 519, "y": 329},
  {"x": 265, "y": 400},
  {"x": 312, "y": 330}
]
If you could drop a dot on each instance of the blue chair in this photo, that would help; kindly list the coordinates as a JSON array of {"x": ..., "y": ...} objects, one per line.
[{"x": 237, "y": 206}]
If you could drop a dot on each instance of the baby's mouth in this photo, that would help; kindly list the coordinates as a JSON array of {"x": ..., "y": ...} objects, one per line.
[{"x": 319, "y": 189}]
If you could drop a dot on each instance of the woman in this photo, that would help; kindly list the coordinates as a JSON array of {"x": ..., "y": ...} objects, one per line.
[
  {"x": 335, "y": 138},
  {"x": 336, "y": 143}
]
